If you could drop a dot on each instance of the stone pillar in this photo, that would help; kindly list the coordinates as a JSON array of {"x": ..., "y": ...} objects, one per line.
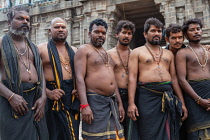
[
  {"x": 34, "y": 34},
  {"x": 189, "y": 12}
]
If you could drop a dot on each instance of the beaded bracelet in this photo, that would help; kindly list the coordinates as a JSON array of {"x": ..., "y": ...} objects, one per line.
[{"x": 11, "y": 97}]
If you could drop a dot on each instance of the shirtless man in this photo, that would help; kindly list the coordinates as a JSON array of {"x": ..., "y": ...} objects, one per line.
[
  {"x": 193, "y": 66},
  {"x": 97, "y": 87},
  {"x": 60, "y": 84},
  {"x": 153, "y": 68},
  {"x": 120, "y": 55},
  {"x": 21, "y": 96}
]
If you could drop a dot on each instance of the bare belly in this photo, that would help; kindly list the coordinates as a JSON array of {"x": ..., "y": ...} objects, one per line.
[{"x": 102, "y": 83}]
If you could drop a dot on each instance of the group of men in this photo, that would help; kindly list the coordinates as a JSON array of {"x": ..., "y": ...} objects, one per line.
[{"x": 122, "y": 94}]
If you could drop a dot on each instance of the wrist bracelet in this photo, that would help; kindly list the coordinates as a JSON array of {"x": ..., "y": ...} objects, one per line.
[
  {"x": 83, "y": 106},
  {"x": 198, "y": 100},
  {"x": 11, "y": 97}
]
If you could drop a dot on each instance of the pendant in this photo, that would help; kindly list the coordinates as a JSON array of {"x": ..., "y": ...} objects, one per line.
[
  {"x": 123, "y": 75},
  {"x": 66, "y": 67},
  {"x": 203, "y": 68},
  {"x": 28, "y": 71}
]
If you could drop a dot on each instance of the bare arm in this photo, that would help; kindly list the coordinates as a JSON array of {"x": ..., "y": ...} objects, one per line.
[
  {"x": 121, "y": 109},
  {"x": 16, "y": 101},
  {"x": 39, "y": 105},
  {"x": 177, "y": 88},
  {"x": 80, "y": 64},
  {"x": 181, "y": 66},
  {"x": 132, "y": 84}
]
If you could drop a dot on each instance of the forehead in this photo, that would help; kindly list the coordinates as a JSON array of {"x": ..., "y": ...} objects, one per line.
[
  {"x": 58, "y": 22},
  {"x": 21, "y": 14},
  {"x": 194, "y": 25},
  {"x": 127, "y": 30},
  {"x": 178, "y": 34},
  {"x": 99, "y": 27},
  {"x": 153, "y": 27}
]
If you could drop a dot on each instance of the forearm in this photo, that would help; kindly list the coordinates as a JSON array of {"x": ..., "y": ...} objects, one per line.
[
  {"x": 81, "y": 89},
  {"x": 118, "y": 96},
  {"x": 131, "y": 91},
  {"x": 188, "y": 89},
  {"x": 177, "y": 90},
  {"x": 5, "y": 92}
]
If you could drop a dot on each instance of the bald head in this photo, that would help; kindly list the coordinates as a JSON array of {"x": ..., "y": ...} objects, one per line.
[
  {"x": 57, "y": 20},
  {"x": 58, "y": 29}
]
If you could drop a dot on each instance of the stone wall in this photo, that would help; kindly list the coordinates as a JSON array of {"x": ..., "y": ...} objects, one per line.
[
  {"x": 79, "y": 14},
  {"x": 177, "y": 11}
]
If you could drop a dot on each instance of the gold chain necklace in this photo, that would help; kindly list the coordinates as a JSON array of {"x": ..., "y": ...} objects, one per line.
[
  {"x": 121, "y": 61},
  {"x": 66, "y": 64},
  {"x": 106, "y": 60},
  {"x": 19, "y": 50},
  {"x": 27, "y": 64},
  {"x": 196, "y": 55}
]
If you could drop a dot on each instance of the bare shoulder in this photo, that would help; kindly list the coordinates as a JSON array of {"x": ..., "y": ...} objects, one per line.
[
  {"x": 74, "y": 49},
  {"x": 42, "y": 47},
  {"x": 111, "y": 51},
  {"x": 83, "y": 49},
  {"x": 167, "y": 51},
  {"x": 183, "y": 51},
  {"x": 138, "y": 50}
]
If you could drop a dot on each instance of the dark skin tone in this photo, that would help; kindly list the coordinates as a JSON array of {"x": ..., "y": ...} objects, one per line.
[
  {"x": 188, "y": 66},
  {"x": 59, "y": 34},
  {"x": 176, "y": 40},
  {"x": 90, "y": 67},
  {"x": 143, "y": 68},
  {"x": 17, "y": 102},
  {"x": 125, "y": 37}
]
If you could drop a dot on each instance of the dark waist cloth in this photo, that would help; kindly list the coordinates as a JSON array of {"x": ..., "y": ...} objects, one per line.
[
  {"x": 26, "y": 86},
  {"x": 130, "y": 126},
  {"x": 24, "y": 127},
  {"x": 157, "y": 105},
  {"x": 198, "y": 117},
  {"x": 67, "y": 87},
  {"x": 106, "y": 118},
  {"x": 123, "y": 91},
  {"x": 60, "y": 125}
]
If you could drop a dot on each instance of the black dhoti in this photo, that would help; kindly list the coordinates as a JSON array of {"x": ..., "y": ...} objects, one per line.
[
  {"x": 159, "y": 111},
  {"x": 25, "y": 127},
  {"x": 130, "y": 126},
  {"x": 59, "y": 125},
  {"x": 197, "y": 123}
]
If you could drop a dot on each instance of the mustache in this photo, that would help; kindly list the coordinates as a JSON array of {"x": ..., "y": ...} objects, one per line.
[
  {"x": 177, "y": 43},
  {"x": 155, "y": 36},
  {"x": 24, "y": 25},
  {"x": 100, "y": 38},
  {"x": 196, "y": 35},
  {"x": 126, "y": 39}
]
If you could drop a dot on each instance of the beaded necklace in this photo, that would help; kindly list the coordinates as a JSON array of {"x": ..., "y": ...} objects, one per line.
[
  {"x": 106, "y": 60},
  {"x": 125, "y": 66},
  {"x": 158, "y": 57}
]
